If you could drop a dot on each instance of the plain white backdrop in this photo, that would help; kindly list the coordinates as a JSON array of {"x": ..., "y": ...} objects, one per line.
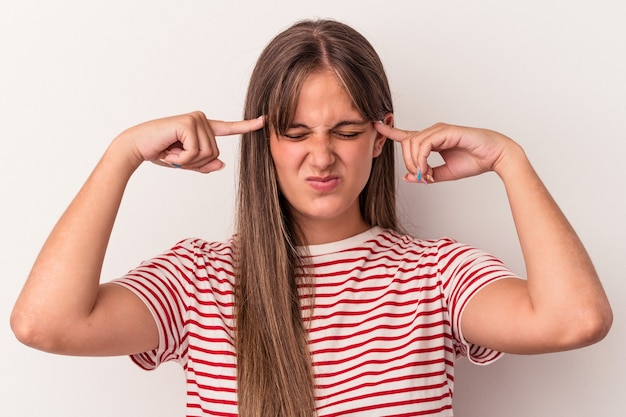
[{"x": 73, "y": 74}]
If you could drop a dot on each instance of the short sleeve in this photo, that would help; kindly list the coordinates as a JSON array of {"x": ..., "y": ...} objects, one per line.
[
  {"x": 162, "y": 283},
  {"x": 464, "y": 272}
]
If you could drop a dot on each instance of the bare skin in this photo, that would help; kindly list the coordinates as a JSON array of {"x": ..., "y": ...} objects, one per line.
[
  {"x": 561, "y": 305},
  {"x": 62, "y": 307},
  {"x": 324, "y": 160}
]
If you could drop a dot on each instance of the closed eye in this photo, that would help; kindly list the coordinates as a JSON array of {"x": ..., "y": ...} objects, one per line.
[
  {"x": 348, "y": 135},
  {"x": 295, "y": 136}
]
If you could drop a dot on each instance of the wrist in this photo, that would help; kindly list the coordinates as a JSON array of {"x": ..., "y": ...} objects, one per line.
[
  {"x": 122, "y": 155},
  {"x": 513, "y": 163}
]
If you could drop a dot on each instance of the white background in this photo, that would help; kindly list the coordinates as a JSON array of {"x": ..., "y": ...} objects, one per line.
[{"x": 73, "y": 74}]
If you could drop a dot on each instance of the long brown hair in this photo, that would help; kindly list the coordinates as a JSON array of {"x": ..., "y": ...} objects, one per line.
[{"x": 274, "y": 367}]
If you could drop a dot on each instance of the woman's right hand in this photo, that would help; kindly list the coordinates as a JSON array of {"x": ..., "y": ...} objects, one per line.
[{"x": 186, "y": 141}]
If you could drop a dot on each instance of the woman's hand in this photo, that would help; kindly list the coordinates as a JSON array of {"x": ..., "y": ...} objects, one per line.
[
  {"x": 186, "y": 141},
  {"x": 465, "y": 151}
]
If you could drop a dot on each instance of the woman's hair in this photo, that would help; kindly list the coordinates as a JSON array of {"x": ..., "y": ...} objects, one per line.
[{"x": 274, "y": 371}]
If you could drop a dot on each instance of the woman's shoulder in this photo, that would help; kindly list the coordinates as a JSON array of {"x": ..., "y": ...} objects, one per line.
[
  {"x": 201, "y": 247},
  {"x": 399, "y": 240},
  {"x": 401, "y": 245}
]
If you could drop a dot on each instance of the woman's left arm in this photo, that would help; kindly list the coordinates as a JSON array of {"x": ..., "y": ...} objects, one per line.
[{"x": 562, "y": 304}]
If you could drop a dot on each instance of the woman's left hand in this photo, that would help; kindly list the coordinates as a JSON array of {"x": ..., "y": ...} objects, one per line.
[{"x": 466, "y": 151}]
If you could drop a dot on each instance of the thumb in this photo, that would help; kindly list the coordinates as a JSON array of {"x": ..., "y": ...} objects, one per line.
[{"x": 222, "y": 128}]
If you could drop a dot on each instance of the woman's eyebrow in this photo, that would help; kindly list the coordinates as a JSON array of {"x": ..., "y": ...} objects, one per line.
[
  {"x": 351, "y": 123},
  {"x": 343, "y": 123}
]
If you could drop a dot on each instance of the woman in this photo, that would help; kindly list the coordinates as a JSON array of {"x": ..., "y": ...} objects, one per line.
[{"x": 318, "y": 304}]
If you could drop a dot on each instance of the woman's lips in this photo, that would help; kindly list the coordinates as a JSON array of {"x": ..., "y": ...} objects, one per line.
[{"x": 323, "y": 184}]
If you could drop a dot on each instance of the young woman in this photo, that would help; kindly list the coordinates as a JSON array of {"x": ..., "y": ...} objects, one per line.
[{"x": 319, "y": 304}]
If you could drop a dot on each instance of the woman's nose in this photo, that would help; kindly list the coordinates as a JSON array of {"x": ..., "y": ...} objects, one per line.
[{"x": 321, "y": 153}]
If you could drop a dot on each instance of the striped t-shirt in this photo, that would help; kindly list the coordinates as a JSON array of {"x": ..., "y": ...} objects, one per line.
[{"x": 384, "y": 331}]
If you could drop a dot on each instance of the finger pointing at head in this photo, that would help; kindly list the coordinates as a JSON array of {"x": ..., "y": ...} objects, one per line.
[
  {"x": 404, "y": 137},
  {"x": 392, "y": 133},
  {"x": 222, "y": 128}
]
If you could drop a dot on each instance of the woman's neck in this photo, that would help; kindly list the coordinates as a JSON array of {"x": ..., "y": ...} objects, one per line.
[{"x": 321, "y": 231}]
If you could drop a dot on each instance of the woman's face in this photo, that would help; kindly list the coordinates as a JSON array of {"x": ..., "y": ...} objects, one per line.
[{"x": 324, "y": 159}]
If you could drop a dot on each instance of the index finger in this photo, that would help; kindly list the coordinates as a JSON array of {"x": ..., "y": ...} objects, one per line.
[
  {"x": 392, "y": 133},
  {"x": 222, "y": 128}
]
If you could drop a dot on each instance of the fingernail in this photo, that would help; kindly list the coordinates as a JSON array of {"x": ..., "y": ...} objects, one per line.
[
  {"x": 419, "y": 174},
  {"x": 169, "y": 163}
]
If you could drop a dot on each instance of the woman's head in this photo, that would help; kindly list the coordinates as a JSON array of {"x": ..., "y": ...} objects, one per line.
[{"x": 306, "y": 48}]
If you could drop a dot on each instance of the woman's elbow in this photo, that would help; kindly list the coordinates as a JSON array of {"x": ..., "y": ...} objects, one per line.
[
  {"x": 22, "y": 328},
  {"x": 31, "y": 331},
  {"x": 590, "y": 325},
  {"x": 602, "y": 323}
]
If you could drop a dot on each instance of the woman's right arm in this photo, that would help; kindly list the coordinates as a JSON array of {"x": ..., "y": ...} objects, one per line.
[{"x": 62, "y": 307}]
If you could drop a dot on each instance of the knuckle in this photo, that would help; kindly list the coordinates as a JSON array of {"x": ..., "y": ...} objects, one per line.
[
  {"x": 211, "y": 151},
  {"x": 188, "y": 120},
  {"x": 210, "y": 154},
  {"x": 198, "y": 114},
  {"x": 192, "y": 119}
]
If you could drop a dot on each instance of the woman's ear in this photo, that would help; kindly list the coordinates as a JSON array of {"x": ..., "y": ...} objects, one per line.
[{"x": 380, "y": 139}]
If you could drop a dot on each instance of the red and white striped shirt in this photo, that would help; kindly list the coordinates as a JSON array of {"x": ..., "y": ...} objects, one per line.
[{"x": 384, "y": 331}]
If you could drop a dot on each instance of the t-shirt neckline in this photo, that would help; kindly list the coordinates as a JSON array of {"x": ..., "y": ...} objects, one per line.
[{"x": 350, "y": 242}]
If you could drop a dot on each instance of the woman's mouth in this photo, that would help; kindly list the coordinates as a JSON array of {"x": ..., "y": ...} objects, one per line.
[{"x": 323, "y": 184}]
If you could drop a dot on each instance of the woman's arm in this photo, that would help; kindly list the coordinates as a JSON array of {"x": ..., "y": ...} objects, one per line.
[
  {"x": 562, "y": 304},
  {"x": 62, "y": 307}
]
